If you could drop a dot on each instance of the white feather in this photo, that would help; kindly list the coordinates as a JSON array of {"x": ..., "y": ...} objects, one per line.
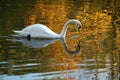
[{"x": 42, "y": 31}]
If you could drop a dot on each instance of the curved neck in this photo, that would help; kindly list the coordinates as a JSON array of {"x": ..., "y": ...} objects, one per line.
[{"x": 64, "y": 30}]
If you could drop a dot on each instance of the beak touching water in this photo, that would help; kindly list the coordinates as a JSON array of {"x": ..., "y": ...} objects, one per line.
[{"x": 79, "y": 27}]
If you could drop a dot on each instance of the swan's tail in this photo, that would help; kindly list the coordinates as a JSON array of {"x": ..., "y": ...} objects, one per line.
[
  {"x": 17, "y": 32},
  {"x": 20, "y": 33}
]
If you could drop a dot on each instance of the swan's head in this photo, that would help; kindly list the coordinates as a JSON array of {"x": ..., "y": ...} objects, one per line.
[
  {"x": 78, "y": 24},
  {"x": 72, "y": 21}
]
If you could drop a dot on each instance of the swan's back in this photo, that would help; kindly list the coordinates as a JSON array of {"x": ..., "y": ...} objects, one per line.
[
  {"x": 37, "y": 28},
  {"x": 38, "y": 31}
]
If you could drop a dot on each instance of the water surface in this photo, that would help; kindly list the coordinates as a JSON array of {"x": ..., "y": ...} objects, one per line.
[{"x": 91, "y": 54}]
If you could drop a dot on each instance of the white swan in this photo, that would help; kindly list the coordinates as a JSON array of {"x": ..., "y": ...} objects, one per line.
[{"x": 42, "y": 31}]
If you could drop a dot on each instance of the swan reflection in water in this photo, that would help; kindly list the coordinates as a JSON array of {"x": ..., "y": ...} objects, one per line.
[{"x": 39, "y": 43}]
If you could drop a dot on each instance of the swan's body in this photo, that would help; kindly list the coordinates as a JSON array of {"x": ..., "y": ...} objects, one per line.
[
  {"x": 37, "y": 31},
  {"x": 42, "y": 31}
]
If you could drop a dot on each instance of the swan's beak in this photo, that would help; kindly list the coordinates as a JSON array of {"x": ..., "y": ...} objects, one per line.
[
  {"x": 79, "y": 25},
  {"x": 79, "y": 28}
]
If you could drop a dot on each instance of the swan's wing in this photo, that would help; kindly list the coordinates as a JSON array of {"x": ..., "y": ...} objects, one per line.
[
  {"x": 37, "y": 28},
  {"x": 37, "y": 31}
]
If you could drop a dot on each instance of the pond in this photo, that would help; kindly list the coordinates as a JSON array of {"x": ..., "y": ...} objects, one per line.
[{"x": 91, "y": 54}]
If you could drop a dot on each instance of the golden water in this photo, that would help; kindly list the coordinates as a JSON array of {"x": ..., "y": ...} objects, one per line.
[{"x": 99, "y": 40}]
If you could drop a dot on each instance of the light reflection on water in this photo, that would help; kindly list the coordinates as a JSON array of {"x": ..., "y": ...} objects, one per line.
[
  {"x": 39, "y": 65},
  {"x": 97, "y": 44},
  {"x": 78, "y": 73}
]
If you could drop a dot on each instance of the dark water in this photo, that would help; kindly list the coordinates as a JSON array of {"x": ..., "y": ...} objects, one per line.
[{"x": 92, "y": 54}]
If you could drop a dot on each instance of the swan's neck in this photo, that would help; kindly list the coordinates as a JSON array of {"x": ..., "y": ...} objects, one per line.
[{"x": 64, "y": 30}]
